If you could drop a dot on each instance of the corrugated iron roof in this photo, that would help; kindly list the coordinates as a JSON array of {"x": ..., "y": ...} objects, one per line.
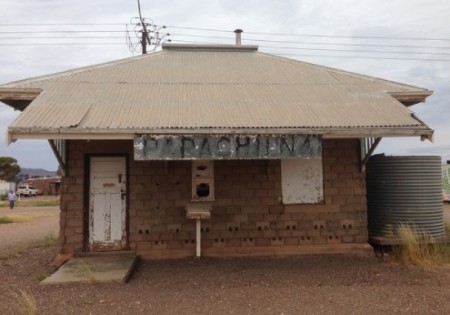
[{"x": 206, "y": 89}]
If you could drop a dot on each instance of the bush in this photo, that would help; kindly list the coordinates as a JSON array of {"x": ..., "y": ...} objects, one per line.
[
  {"x": 420, "y": 249},
  {"x": 3, "y": 196}
]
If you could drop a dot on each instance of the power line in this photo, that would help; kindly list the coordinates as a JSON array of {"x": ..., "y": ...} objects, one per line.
[
  {"x": 367, "y": 57},
  {"x": 62, "y": 24},
  {"x": 317, "y": 43},
  {"x": 350, "y": 36},
  {"x": 363, "y": 51},
  {"x": 316, "y": 35},
  {"x": 249, "y": 39},
  {"x": 200, "y": 29},
  {"x": 59, "y": 37},
  {"x": 62, "y": 44},
  {"x": 333, "y": 56},
  {"x": 65, "y": 31},
  {"x": 142, "y": 21},
  {"x": 230, "y": 31},
  {"x": 310, "y": 43},
  {"x": 318, "y": 49}
]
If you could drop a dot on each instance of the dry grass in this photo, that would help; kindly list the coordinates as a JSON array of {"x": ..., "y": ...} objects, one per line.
[
  {"x": 26, "y": 303},
  {"x": 420, "y": 249},
  {"x": 48, "y": 241},
  {"x": 23, "y": 217},
  {"x": 34, "y": 202},
  {"x": 5, "y": 219},
  {"x": 41, "y": 275},
  {"x": 87, "y": 272}
]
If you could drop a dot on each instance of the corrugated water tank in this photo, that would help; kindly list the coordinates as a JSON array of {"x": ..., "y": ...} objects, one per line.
[{"x": 404, "y": 189}]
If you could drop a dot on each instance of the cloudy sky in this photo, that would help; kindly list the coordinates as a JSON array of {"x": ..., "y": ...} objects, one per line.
[{"x": 400, "y": 40}]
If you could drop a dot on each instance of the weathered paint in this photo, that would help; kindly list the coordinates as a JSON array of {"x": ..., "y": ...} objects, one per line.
[
  {"x": 107, "y": 223},
  {"x": 302, "y": 181},
  {"x": 210, "y": 147}
]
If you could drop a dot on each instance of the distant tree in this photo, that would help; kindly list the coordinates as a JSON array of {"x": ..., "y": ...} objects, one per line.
[{"x": 9, "y": 169}]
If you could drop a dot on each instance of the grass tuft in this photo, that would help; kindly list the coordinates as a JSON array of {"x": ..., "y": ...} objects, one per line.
[
  {"x": 44, "y": 203},
  {"x": 447, "y": 228},
  {"x": 49, "y": 240},
  {"x": 23, "y": 217},
  {"x": 87, "y": 272},
  {"x": 6, "y": 219},
  {"x": 27, "y": 303},
  {"x": 420, "y": 249}
]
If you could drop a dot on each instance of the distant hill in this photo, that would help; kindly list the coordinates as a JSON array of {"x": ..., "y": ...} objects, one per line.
[{"x": 35, "y": 172}]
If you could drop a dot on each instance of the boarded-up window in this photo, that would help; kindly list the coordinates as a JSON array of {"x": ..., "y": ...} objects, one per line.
[{"x": 302, "y": 181}]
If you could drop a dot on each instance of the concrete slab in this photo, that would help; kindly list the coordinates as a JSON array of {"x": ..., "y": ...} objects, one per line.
[{"x": 102, "y": 268}]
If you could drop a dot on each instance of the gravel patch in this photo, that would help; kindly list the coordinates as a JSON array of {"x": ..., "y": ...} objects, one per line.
[{"x": 290, "y": 285}]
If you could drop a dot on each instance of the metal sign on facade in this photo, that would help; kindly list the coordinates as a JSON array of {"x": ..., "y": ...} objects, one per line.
[{"x": 220, "y": 147}]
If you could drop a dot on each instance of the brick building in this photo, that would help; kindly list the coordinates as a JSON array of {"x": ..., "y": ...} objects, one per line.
[
  {"x": 213, "y": 148},
  {"x": 46, "y": 185}
]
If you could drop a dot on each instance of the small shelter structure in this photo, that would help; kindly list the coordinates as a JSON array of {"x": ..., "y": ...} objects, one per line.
[{"x": 212, "y": 148}]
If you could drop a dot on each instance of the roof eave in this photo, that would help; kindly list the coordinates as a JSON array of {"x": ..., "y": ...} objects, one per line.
[
  {"x": 411, "y": 98},
  {"x": 18, "y": 98},
  {"x": 422, "y": 131}
]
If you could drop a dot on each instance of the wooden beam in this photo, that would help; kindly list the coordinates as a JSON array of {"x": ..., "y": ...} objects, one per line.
[
  {"x": 409, "y": 98},
  {"x": 17, "y": 94},
  {"x": 58, "y": 156}
]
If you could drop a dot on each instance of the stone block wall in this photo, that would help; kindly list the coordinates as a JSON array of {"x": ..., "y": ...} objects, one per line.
[{"x": 248, "y": 217}]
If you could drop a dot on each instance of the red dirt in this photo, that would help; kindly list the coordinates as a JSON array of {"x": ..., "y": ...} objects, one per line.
[
  {"x": 38, "y": 228},
  {"x": 292, "y": 285}
]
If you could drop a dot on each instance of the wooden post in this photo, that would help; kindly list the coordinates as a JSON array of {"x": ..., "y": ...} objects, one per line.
[{"x": 198, "y": 237}]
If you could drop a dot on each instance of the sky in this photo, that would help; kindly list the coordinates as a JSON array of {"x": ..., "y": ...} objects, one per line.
[{"x": 400, "y": 40}]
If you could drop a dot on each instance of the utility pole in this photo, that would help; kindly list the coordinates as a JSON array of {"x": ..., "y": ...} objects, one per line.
[
  {"x": 145, "y": 38},
  {"x": 147, "y": 34},
  {"x": 144, "y": 41}
]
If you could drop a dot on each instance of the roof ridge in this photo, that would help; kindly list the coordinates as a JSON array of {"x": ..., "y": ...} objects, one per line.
[{"x": 210, "y": 47}]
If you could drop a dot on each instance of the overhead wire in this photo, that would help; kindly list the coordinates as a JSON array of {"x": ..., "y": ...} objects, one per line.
[
  {"x": 334, "y": 56},
  {"x": 319, "y": 35},
  {"x": 230, "y": 31},
  {"x": 316, "y": 43},
  {"x": 16, "y": 35}
]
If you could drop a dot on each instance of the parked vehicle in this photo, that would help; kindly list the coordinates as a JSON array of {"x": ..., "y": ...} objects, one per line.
[{"x": 26, "y": 190}]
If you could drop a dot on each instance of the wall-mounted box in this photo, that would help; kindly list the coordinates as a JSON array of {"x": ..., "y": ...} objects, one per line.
[{"x": 202, "y": 180}]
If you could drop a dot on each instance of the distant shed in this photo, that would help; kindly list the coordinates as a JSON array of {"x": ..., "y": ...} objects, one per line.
[{"x": 46, "y": 185}]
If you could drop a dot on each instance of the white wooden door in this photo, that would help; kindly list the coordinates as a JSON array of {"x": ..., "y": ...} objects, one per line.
[{"x": 107, "y": 204}]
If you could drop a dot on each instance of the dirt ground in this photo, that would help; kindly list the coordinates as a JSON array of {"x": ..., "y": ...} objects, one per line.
[
  {"x": 46, "y": 223},
  {"x": 291, "y": 285}
]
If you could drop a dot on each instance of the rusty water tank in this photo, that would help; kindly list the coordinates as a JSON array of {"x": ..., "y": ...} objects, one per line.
[{"x": 404, "y": 189}]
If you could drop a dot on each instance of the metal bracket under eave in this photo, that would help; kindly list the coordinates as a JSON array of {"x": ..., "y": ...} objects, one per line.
[
  {"x": 427, "y": 137},
  {"x": 368, "y": 145},
  {"x": 59, "y": 150}
]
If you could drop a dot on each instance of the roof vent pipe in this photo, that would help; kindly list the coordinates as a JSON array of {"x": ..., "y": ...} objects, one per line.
[{"x": 238, "y": 36}]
